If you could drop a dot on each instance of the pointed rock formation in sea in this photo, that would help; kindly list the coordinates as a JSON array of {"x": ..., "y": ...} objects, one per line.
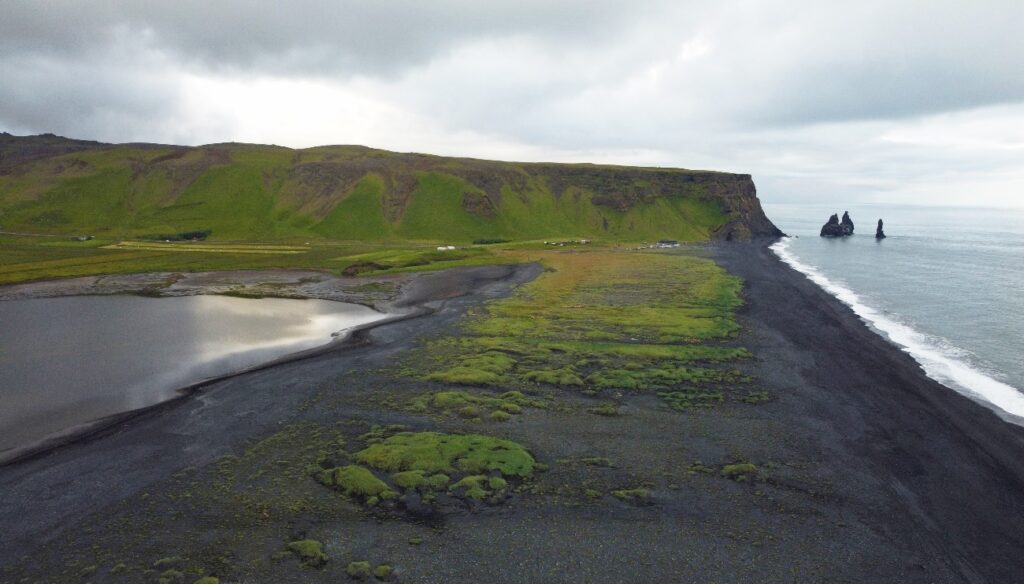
[
  {"x": 836, "y": 228},
  {"x": 847, "y": 223},
  {"x": 879, "y": 234}
]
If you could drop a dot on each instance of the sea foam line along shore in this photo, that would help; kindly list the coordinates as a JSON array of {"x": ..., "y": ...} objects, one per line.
[{"x": 939, "y": 362}]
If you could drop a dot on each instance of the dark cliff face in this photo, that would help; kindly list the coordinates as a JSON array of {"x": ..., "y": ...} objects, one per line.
[
  {"x": 739, "y": 195},
  {"x": 594, "y": 200}
]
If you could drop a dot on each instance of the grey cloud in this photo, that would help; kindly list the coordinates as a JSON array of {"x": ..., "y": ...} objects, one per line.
[
  {"x": 303, "y": 36},
  {"x": 109, "y": 98}
]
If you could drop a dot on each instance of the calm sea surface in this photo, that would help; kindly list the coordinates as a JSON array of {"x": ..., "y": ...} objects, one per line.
[
  {"x": 946, "y": 285},
  {"x": 69, "y": 361}
]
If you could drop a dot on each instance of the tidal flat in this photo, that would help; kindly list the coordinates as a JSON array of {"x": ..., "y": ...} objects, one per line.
[{"x": 704, "y": 414}]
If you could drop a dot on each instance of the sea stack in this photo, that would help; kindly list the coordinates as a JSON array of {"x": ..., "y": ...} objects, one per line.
[
  {"x": 836, "y": 228},
  {"x": 879, "y": 234}
]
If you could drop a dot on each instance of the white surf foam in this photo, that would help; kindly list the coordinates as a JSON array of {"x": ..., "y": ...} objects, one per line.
[{"x": 940, "y": 360}]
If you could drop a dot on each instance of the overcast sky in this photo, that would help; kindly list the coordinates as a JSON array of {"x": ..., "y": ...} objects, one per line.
[{"x": 863, "y": 101}]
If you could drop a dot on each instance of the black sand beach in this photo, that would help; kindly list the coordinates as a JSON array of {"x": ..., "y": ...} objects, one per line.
[{"x": 878, "y": 474}]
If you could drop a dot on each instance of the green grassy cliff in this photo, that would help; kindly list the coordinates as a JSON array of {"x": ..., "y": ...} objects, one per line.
[{"x": 55, "y": 185}]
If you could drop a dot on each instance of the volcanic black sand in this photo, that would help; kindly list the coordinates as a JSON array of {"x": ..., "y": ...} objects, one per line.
[{"x": 878, "y": 474}]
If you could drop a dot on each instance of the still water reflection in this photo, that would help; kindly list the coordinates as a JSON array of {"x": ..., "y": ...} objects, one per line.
[{"x": 68, "y": 361}]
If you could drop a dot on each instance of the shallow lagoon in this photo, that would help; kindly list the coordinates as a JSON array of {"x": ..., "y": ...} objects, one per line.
[{"x": 65, "y": 362}]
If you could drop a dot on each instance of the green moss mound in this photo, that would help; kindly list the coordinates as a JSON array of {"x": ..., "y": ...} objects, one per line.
[
  {"x": 434, "y": 452},
  {"x": 740, "y": 471},
  {"x": 358, "y": 482},
  {"x": 383, "y": 572},
  {"x": 358, "y": 570},
  {"x": 309, "y": 551},
  {"x": 635, "y": 496},
  {"x": 499, "y": 408}
]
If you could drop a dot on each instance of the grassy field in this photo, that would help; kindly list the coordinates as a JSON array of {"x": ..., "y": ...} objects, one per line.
[
  {"x": 240, "y": 192},
  {"x": 601, "y": 322},
  {"x": 24, "y": 259}
]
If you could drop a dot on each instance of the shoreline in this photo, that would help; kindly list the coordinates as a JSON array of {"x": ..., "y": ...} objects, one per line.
[
  {"x": 959, "y": 376},
  {"x": 371, "y": 291},
  {"x": 951, "y": 466}
]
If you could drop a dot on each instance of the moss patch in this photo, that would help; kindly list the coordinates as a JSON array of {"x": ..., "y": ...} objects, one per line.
[
  {"x": 430, "y": 469},
  {"x": 446, "y": 453},
  {"x": 383, "y": 572},
  {"x": 603, "y": 322},
  {"x": 358, "y": 482},
  {"x": 635, "y": 496},
  {"x": 309, "y": 551},
  {"x": 497, "y": 407},
  {"x": 607, "y": 410},
  {"x": 359, "y": 570},
  {"x": 740, "y": 471}
]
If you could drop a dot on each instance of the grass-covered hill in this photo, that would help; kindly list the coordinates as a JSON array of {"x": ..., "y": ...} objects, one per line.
[{"x": 55, "y": 185}]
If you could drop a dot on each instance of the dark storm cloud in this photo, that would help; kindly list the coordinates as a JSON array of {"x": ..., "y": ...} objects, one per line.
[{"x": 303, "y": 36}]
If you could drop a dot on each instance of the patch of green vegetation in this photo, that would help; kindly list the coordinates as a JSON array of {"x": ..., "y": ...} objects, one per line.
[
  {"x": 413, "y": 479},
  {"x": 422, "y": 465},
  {"x": 309, "y": 551},
  {"x": 500, "y": 416},
  {"x": 415, "y": 540},
  {"x": 636, "y": 496},
  {"x": 698, "y": 466},
  {"x": 359, "y": 570},
  {"x": 740, "y": 471},
  {"x": 359, "y": 483},
  {"x": 605, "y": 322},
  {"x": 383, "y": 571},
  {"x": 592, "y": 494},
  {"x": 756, "y": 397},
  {"x": 434, "y": 452},
  {"x": 495, "y": 407},
  {"x": 207, "y": 580},
  {"x": 167, "y": 562},
  {"x": 597, "y": 461},
  {"x": 119, "y": 568},
  {"x": 171, "y": 576},
  {"x": 487, "y": 368},
  {"x": 564, "y": 376},
  {"x": 607, "y": 410},
  {"x": 473, "y": 486},
  {"x": 689, "y": 398}
]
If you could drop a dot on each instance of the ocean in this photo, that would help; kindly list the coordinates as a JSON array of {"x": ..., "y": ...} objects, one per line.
[{"x": 946, "y": 286}]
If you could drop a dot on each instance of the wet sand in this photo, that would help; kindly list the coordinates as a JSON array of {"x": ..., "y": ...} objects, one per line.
[{"x": 878, "y": 474}]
